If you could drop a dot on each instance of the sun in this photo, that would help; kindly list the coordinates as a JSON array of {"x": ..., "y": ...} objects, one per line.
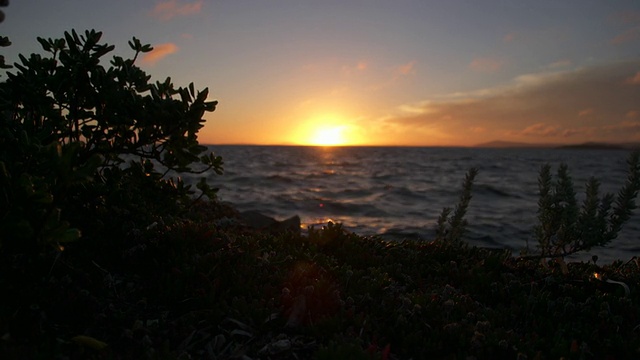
[
  {"x": 328, "y": 136},
  {"x": 327, "y": 130}
]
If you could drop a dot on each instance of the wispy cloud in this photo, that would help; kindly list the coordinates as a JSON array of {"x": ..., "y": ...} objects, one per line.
[
  {"x": 549, "y": 105},
  {"x": 625, "y": 130},
  {"x": 587, "y": 132},
  {"x": 509, "y": 37},
  {"x": 537, "y": 130},
  {"x": 560, "y": 64},
  {"x": 627, "y": 36},
  {"x": 159, "y": 52},
  {"x": 406, "y": 69},
  {"x": 586, "y": 112},
  {"x": 352, "y": 69},
  {"x": 166, "y": 10},
  {"x": 635, "y": 79},
  {"x": 624, "y": 125},
  {"x": 626, "y": 17},
  {"x": 486, "y": 64}
]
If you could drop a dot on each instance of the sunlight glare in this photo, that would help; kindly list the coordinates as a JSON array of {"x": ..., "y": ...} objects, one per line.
[
  {"x": 327, "y": 130},
  {"x": 329, "y": 136}
]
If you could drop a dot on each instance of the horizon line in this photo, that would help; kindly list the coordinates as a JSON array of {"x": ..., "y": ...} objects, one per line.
[{"x": 489, "y": 144}]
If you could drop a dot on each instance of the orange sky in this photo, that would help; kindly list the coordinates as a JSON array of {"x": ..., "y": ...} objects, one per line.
[{"x": 379, "y": 72}]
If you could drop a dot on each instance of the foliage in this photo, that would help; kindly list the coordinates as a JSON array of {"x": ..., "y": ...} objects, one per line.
[
  {"x": 565, "y": 228},
  {"x": 4, "y": 42},
  {"x": 326, "y": 235},
  {"x": 208, "y": 288},
  {"x": 81, "y": 142},
  {"x": 451, "y": 229}
]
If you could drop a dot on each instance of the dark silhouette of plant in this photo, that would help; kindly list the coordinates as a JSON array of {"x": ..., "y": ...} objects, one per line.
[
  {"x": 565, "y": 228},
  {"x": 3, "y": 3},
  {"x": 81, "y": 142},
  {"x": 451, "y": 229}
]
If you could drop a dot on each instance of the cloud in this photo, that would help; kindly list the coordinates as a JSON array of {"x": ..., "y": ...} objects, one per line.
[
  {"x": 586, "y": 112},
  {"x": 159, "y": 52},
  {"x": 627, "y": 36},
  {"x": 478, "y": 129},
  {"x": 627, "y": 17},
  {"x": 579, "y": 132},
  {"x": 539, "y": 129},
  {"x": 353, "y": 69},
  {"x": 509, "y": 37},
  {"x": 622, "y": 131},
  {"x": 406, "y": 69},
  {"x": 547, "y": 105},
  {"x": 560, "y": 64},
  {"x": 414, "y": 108},
  {"x": 486, "y": 64},
  {"x": 166, "y": 10},
  {"x": 634, "y": 80}
]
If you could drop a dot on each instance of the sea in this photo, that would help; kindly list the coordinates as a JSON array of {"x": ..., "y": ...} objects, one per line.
[{"x": 398, "y": 193}]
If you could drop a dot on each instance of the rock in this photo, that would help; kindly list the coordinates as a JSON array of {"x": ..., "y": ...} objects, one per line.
[
  {"x": 297, "y": 312},
  {"x": 276, "y": 347},
  {"x": 291, "y": 224},
  {"x": 259, "y": 221}
]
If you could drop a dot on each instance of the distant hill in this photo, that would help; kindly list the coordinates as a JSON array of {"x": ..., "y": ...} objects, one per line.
[
  {"x": 587, "y": 145},
  {"x": 595, "y": 145},
  {"x": 511, "y": 144},
  {"x": 632, "y": 146}
]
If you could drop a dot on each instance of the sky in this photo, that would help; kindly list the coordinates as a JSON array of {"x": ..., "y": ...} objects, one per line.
[{"x": 373, "y": 72}]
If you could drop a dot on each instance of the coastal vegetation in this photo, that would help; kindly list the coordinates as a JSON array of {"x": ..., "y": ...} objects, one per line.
[
  {"x": 565, "y": 228},
  {"x": 93, "y": 146},
  {"x": 106, "y": 253}
]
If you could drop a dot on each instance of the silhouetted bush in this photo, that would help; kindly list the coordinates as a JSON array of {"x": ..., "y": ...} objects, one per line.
[
  {"x": 565, "y": 228},
  {"x": 85, "y": 147},
  {"x": 451, "y": 229}
]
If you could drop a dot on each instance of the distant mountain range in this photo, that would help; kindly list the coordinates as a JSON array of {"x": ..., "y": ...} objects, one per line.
[{"x": 587, "y": 145}]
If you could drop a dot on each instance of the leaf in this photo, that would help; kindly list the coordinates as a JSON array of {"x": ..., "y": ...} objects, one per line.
[
  {"x": 184, "y": 94},
  {"x": 210, "y": 105},
  {"x": 46, "y": 45},
  {"x": 202, "y": 95},
  {"x": 241, "y": 333},
  {"x": 4, "y": 41},
  {"x": 135, "y": 44},
  {"x": 4, "y": 174},
  {"x": 89, "y": 342},
  {"x": 69, "y": 235}
]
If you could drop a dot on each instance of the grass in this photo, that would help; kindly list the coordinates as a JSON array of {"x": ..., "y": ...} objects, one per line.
[{"x": 208, "y": 287}]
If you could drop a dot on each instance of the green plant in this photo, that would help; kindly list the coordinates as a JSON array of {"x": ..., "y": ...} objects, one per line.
[
  {"x": 81, "y": 142},
  {"x": 565, "y": 228},
  {"x": 451, "y": 229}
]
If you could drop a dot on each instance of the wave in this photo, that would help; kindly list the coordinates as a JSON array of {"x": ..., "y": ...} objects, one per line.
[
  {"x": 401, "y": 191},
  {"x": 486, "y": 189}
]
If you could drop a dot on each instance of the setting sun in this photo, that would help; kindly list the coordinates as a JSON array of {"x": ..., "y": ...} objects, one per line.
[
  {"x": 329, "y": 136},
  {"x": 327, "y": 130}
]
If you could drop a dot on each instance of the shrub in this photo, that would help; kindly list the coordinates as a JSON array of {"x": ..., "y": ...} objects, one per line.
[
  {"x": 80, "y": 142},
  {"x": 451, "y": 229},
  {"x": 564, "y": 228}
]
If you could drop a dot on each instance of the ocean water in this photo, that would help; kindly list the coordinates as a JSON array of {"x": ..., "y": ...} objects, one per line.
[{"x": 399, "y": 192}]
